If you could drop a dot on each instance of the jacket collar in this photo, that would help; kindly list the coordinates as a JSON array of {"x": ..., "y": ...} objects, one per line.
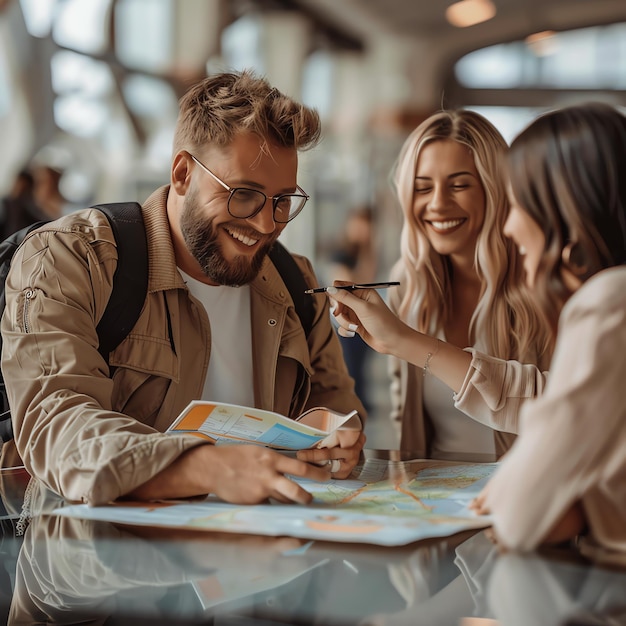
[{"x": 163, "y": 273}]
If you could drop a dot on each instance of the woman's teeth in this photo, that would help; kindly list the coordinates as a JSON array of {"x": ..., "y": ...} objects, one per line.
[{"x": 446, "y": 225}]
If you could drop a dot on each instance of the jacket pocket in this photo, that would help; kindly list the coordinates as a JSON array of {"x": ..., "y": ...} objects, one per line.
[
  {"x": 26, "y": 298},
  {"x": 142, "y": 353},
  {"x": 139, "y": 394},
  {"x": 143, "y": 370}
]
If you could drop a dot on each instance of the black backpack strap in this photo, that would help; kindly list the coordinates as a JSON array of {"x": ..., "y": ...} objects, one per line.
[
  {"x": 295, "y": 283},
  {"x": 130, "y": 282},
  {"x": 6, "y": 426}
]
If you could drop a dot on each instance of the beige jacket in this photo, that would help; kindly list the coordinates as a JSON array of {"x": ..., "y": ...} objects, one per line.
[
  {"x": 95, "y": 438},
  {"x": 572, "y": 439},
  {"x": 493, "y": 393}
]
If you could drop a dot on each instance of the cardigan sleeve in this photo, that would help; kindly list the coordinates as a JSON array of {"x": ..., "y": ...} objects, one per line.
[{"x": 495, "y": 390}]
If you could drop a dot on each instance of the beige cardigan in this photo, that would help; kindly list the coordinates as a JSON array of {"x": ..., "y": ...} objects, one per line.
[{"x": 572, "y": 443}]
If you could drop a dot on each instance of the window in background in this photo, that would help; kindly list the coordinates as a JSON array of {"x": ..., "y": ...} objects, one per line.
[
  {"x": 587, "y": 58},
  {"x": 143, "y": 34},
  {"x": 83, "y": 87},
  {"x": 500, "y": 66},
  {"x": 241, "y": 44},
  {"x": 508, "y": 120},
  {"x": 155, "y": 105},
  {"x": 82, "y": 26},
  {"x": 611, "y": 56},
  {"x": 317, "y": 82},
  {"x": 512, "y": 83},
  {"x": 5, "y": 84},
  {"x": 38, "y": 15},
  {"x": 101, "y": 107},
  {"x": 149, "y": 97}
]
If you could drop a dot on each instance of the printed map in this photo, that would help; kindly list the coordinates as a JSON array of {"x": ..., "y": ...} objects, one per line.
[{"x": 387, "y": 504}]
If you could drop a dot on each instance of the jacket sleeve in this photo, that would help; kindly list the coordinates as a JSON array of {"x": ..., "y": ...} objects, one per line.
[
  {"x": 57, "y": 382},
  {"x": 572, "y": 437},
  {"x": 495, "y": 390}
]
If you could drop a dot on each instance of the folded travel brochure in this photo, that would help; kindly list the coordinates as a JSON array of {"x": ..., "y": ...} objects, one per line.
[{"x": 223, "y": 423}]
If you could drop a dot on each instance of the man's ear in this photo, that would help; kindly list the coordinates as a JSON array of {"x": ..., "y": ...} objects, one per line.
[{"x": 181, "y": 172}]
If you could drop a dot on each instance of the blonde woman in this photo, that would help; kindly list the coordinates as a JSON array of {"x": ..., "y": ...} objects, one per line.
[{"x": 461, "y": 324}]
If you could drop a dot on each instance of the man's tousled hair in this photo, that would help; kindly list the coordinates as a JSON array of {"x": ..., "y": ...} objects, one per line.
[{"x": 218, "y": 108}]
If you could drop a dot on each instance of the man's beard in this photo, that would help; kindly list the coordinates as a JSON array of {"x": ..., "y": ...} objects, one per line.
[{"x": 202, "y": 241}]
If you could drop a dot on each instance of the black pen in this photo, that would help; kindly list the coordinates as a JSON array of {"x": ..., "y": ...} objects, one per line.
[{"x": 383, "y": 285}]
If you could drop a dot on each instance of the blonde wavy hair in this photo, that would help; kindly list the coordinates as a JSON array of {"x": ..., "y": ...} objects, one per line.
[{"x": 504, "y": 324}]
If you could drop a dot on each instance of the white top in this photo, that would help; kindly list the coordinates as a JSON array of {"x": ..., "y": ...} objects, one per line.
[
  {"x": 454, "y": 431},
  {"x": 229, "y": 377}
]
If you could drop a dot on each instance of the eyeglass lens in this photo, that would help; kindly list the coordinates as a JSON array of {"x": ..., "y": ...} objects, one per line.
[{"x": 245, "y": 203}]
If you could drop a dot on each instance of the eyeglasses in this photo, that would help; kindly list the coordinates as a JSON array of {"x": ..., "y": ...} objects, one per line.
[{"x": 244, "y": 203}]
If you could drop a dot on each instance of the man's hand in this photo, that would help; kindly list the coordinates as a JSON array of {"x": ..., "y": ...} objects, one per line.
[
  {"x": 341, "y": 459},
  {"x": 241, "y": 474}
]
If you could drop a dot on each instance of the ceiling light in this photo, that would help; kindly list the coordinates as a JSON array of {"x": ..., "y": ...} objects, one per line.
[
  {"x": 469, "y": 12},
  {"x": 543, "y": 43}
]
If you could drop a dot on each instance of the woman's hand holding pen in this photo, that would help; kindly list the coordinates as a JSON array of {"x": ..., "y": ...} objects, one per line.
[{"x": 365, "y": 312}]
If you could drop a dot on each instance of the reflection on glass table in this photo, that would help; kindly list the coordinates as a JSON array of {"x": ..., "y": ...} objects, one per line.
[
  {"x": 70, "y": 569},
  {"x": 66, "y": 570},
  {"x": 552, "y": 587}
]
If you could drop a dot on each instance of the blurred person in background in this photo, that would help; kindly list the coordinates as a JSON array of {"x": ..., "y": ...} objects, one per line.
[
  {"x": 468, "y": 345},
  {"x": 47, "y": 191},
  {"x": 19, "y": 207},
  {"x": 355, "y": 260}
]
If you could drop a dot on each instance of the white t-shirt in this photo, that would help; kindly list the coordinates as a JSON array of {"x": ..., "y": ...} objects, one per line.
[
  {"x": 455, "y": 431},
  {"x": 229, "y": 377}
]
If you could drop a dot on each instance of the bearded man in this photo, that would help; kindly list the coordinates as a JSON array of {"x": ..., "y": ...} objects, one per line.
[{"x": 217, "y": 324}]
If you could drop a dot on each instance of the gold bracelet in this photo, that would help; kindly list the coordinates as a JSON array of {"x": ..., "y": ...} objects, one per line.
[{"x": 429, "y": 356}]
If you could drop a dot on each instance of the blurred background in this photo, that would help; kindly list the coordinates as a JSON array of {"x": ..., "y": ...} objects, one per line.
[{"x": 89, "y": 91}]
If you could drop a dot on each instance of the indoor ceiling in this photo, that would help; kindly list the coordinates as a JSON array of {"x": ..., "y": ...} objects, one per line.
[{"x": 365, "y": 19}]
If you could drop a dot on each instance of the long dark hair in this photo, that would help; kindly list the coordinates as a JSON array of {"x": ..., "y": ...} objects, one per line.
[{"x": 567, "y": 170}]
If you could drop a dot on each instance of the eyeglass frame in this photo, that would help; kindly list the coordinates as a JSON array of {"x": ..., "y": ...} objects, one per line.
[{"x": 274, "y": 199}]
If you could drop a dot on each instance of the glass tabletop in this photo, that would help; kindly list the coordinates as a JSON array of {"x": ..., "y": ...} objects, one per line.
[{"x": 62, "y": 570}]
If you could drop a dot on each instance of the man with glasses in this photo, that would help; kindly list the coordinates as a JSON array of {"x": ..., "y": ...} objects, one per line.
[{"x": 218, "y": 322}]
